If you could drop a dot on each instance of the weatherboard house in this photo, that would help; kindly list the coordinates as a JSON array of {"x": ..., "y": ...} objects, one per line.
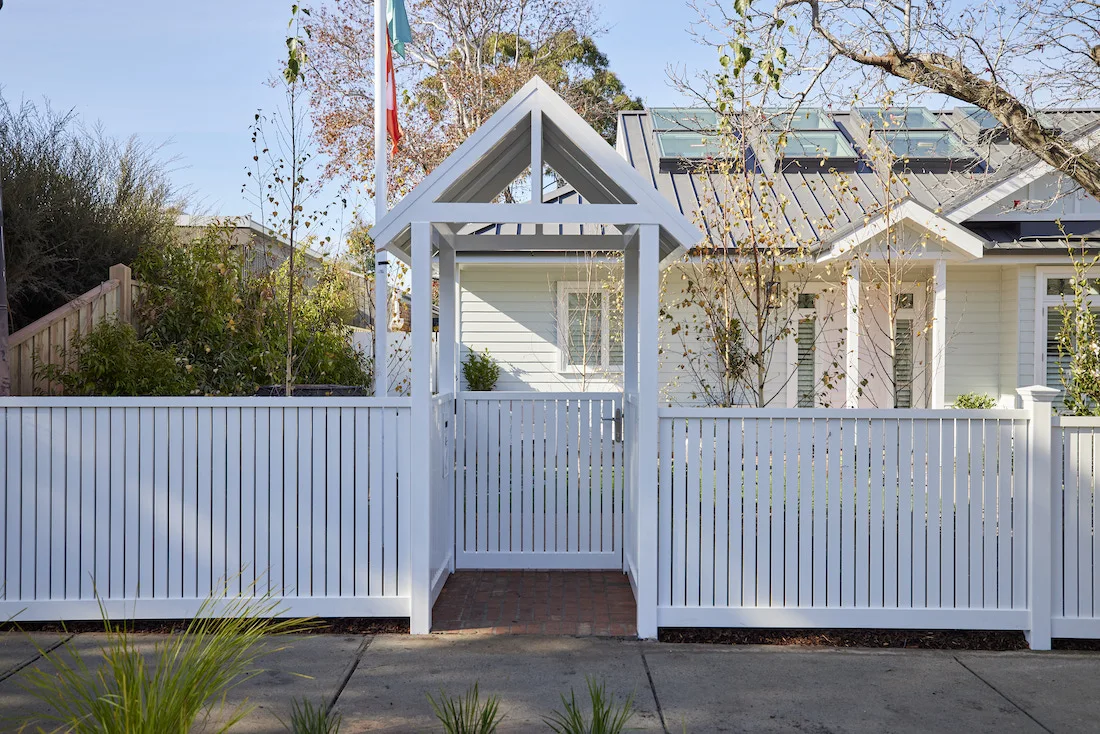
[
  {"x": 978, "y": 311},
  {"x": 863, "y": 502}
]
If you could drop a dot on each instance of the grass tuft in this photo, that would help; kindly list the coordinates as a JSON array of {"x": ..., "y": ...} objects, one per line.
[
  {"x": 187, "y": 677},
  {"x": 305, "y": 718},
  {"x": 604, "y": 718},
  {"x": 468, "y": 714}
]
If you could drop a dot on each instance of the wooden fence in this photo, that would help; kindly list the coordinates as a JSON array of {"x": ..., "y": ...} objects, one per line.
[
  {"x": 844, "y": 518},
  {"x": 44, "y": 341},
  {"x": 152, "y": 504},
  {"x": 1076, "y": 463},
  {"x": 539, "y": 480}
]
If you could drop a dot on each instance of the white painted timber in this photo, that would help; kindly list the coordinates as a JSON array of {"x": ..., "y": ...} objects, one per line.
[{"x": 151, "y": 505}]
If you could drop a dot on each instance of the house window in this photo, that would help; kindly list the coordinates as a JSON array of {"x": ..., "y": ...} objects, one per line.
[
  {"x": 591, "y": 328},
  {"x": 1058, "y": 294}
]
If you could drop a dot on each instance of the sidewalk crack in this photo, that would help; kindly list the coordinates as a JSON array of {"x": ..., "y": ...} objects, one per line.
[
  {"x": 40, "y": 653},
  {"x": 653, "y": 690},
  {"x": 367, "y": 639},
  {"x": 1003, "y": 695}
]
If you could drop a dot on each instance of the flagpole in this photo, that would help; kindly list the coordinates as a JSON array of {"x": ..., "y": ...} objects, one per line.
[{"x": 381, "y": 197}]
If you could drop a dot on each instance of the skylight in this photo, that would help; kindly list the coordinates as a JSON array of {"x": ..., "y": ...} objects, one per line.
[
  {"x": 812, "y": 134},
  {"x": 924, "y": 144},
  {"x": 899, "y": 118},
  {"x": 813, "y": 144},
  {"x": 683, "y": 118},
  {"x": 688, "y": 145},
  {"x": 982, "y": 118}
]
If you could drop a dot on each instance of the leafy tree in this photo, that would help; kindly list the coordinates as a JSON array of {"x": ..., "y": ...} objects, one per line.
[
  {"x": 1009, "y": 59},
  {"x": 75, "y": 203},
  {"x": 1079, "y": 341},
  {"x": 467, "y": 58}
]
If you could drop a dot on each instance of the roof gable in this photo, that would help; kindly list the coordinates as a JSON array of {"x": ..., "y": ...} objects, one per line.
[{"x": 535, "y": 126}]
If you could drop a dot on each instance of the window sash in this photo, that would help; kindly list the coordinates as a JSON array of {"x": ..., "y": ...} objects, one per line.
[{"x": 591, "y": 336}]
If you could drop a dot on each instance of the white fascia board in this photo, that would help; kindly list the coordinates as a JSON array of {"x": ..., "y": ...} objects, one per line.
[{"x": 952, "y": 235}]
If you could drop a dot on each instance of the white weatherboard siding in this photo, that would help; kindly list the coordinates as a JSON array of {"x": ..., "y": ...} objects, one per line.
[
  {"x": 1026, "y": 309},
  {"x": 1010, "y": 336},
  {"x": 511, "y": 310},
  {"x": 974, "y": 332}
]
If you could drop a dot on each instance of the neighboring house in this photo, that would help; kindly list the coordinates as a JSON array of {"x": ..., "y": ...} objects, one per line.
[
  {"x": 268, "y": 250},
  {"x": 986, "y": 217}
]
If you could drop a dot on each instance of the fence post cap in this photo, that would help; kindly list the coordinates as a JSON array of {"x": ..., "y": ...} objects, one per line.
[{"x": 1039, "y": 393}]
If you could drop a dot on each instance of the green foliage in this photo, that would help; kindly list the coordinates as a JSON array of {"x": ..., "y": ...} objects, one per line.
[
  {"x": 305, "y": 718},
  {"x": 468, "y": 714},
  {"x": 205, "y": 299},
  {"x": 1079, "y": 344},
  {"x": 975, "y": 401},
  {"x": 604, "y": 718},
  {"x": 75, "y": 203},
  {"x": 481, "y": 371},
  {"x": 112, "y": 360},
  {"x": 187, "y": 677}
]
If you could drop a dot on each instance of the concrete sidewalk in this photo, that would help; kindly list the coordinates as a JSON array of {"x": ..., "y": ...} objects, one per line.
[{"x": 382, "y": 682}]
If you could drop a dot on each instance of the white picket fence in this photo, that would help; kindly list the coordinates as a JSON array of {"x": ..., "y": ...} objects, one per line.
[
  {"x": 538, "y": 481},
  {"x": 843, "y": 518},
  {"x": 441, "y": 538},
  {"x": 152, "y": 504},
  {"x": 1076, "y": 464}
]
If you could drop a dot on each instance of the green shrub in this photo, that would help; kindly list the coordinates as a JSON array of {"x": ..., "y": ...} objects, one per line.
[
  {"x": 468, "y": 714},
  {"x": 222, "y": 325},
  {"x": 605, "y": 717},
  {"x": 187, "y": 677},
  {"x": 306, "y": 718},
  {"x": 111, "y": 360},
  {"x": 975, "y": 401},
  {"x": 481, "y": 371}
]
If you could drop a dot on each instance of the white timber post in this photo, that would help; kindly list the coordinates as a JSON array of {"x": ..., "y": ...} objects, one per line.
[
  {"x": 646, "y": 513},
  {"x": 536, "y": 156},
  {"x": 381, "y": 325},
  {"x": 419, "y": 522},
  {"x": 448, "y": 326},
  {"x": 1041, "y": 530},
  {"x": 851, "y": 338},
  {"x": 939, "y": 334},
  {"x": 630, "y": 385}
]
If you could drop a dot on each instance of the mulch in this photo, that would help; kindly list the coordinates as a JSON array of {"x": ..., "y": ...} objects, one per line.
[
  {"x": 339, "y": 626},
  {"x": 867, "y": 638}
]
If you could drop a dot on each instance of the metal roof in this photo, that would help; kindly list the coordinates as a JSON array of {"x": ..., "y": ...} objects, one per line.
[{"x": 814, "y": 210}]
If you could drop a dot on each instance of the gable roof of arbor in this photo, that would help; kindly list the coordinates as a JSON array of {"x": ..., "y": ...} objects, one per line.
[{"x": 535, "y": 126}]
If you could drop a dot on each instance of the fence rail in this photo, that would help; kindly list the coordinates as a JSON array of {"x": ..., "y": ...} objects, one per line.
[
  {"x": 539, "y": 481},
  {"x": 44, "y": 341},
  {"x": 827, "y": 518},
  {"x": 152, "y": 505}
]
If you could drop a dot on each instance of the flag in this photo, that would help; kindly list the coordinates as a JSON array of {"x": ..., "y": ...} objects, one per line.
[
  {"x": 393, "y": 128},
  {"x": 398, "y": 34},
  {"x": 397, "y": 25}
]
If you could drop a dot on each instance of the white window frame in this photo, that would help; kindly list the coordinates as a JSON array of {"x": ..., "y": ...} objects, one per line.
[
  {"x": 1043, "y": 303},
  {"x": 565, "y": 288}
]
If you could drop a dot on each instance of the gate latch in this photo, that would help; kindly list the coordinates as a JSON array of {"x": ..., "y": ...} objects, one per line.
[{"x": 617, "y": 426}]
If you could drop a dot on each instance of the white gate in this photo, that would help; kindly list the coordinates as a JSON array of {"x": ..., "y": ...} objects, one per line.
[{"x": 539, "y": 480}]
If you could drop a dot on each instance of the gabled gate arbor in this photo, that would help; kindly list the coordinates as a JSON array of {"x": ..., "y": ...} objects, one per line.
[{"x": 523, "y": 480}]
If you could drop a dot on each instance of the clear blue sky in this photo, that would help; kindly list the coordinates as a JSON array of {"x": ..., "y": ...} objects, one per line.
[{"x": 191, "y": 75}]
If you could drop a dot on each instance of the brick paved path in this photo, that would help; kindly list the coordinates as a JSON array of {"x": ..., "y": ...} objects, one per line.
[{"x": 596, "y": 603}]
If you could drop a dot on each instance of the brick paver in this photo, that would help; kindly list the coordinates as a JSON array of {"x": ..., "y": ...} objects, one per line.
[{"x": 598, "y": 603}]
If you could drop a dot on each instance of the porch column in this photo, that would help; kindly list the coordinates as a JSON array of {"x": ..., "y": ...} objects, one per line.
[
  {"x": 448, "y": 317},
  {"x": 851, "y": 339},
  {"x": 381, "y": 325},
  {"x": 939, "y": 334},
  {"x": 417, "y": 498},
  {"x": 646, "y": 442},
  {"x": 630, "y": 316}
]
